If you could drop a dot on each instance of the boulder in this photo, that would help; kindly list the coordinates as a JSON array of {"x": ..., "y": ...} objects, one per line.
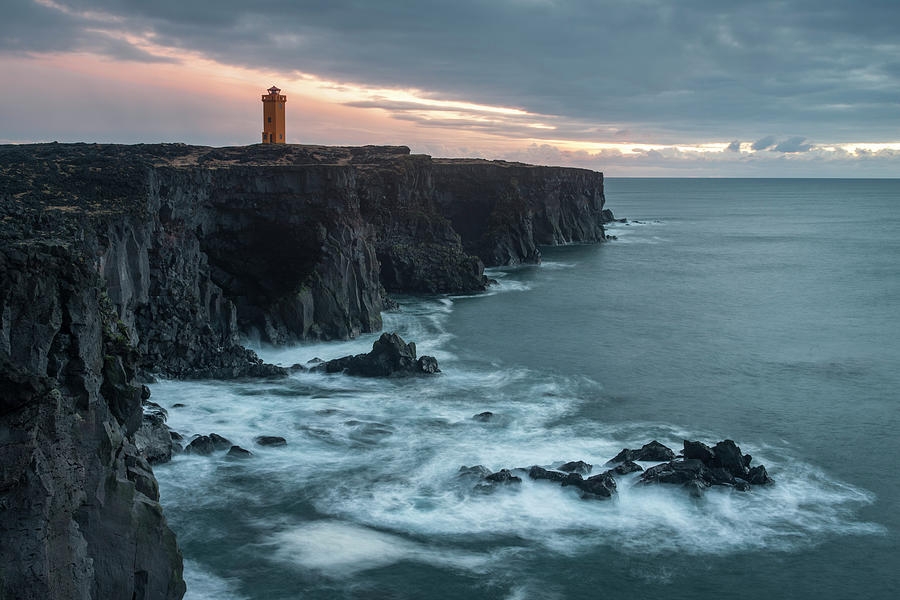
[
  {"x": 207, "y": 444},
  {"x": 698, "y": 450},
  {"x": 728, "y": 456},
  {"x": 576, "y": 466},
  {"x": 390, "y": 355},
  {"x": 537, "y": 472},
  {"x": 626, "y": 467},
  {"x": 653, "y": 451},
  {"x": 758, "y": 476},
  {"x": 270, "y": 440},
  {"x": 484, "y": 416},
  {"x": 598, "y": 486},
  {"x": 238, "y": 452}
]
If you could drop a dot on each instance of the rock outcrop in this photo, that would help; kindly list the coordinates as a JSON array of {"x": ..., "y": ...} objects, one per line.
[{"x": 390, "y": 356}]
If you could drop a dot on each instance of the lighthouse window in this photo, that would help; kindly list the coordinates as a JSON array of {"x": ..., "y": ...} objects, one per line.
[{"x": 270, "y": 119}]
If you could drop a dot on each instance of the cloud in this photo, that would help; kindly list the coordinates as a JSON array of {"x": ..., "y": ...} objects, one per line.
[
  {"x": 662, "y": 72},
  {"x": 763, "y": 143},
  {"x": 794, "y": 144},
  {"x": 734, "y": 146}
]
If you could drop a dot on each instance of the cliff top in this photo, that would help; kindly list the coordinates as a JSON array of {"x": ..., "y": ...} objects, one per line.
[{"x": 45, "y": 188}]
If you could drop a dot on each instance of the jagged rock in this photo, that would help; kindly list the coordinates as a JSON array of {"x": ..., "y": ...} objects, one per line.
[
  {"x": 654, "y": 451},
  {"x": 598, "y": 486},
  {"x": 238, "y": 452},
  {"x": 390, "y": 355},
  {"x": 483, "y": 417},
  {"x": 698, "y": 450},
  {"x": 702, "y": 467},
  {"x": 270, "y": 440},
  {"x": 626, "y": 467},
  {"x": 504, "y": 476},
  {"x": 577, "y": 466},
  {"x": 758, "y": 476},
  {"x": 145, "y": 393},
  {"x": 537, "y": 472}
]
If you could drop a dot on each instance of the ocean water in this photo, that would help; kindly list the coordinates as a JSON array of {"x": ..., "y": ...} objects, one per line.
[{"x": 765, "y": 311}]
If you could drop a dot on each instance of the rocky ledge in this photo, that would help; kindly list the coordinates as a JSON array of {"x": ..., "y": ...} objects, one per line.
[{"x": 121, "y": 263}]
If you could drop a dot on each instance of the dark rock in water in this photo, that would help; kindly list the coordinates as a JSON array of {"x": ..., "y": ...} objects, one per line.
[
  {"x": 626, "y": 467},
  {"x": 428, "y": 364},
  {"x": 606, "y": 215},
  {"x": 698, "y": 450},
  {"x": 485, "y": 416},
  {"x": 654, "y": 451},
  {"x": 207, "y": 444},
  {"x": 238, "y": 452},
  {"x": 758, "y": 476},
  {"x": 729, "y": 457},
  {"x": 702, "y": 466},
  {"x": 577, "y": 466},
  {"x": 679, "y": 472},
  {"x": 572, "y": 479},
  {"x": 390, "y": 355},
  {"x": 297, "y": 368},
  {"x": 503, "y": 476},
  {"x": 598, "y": 486},
  {"x": 145, "y": 392},
  {"x": 270, "y": 440},
  {"x": 537, "y": 472},
  {"x": 177, "y": 437},
  {"x": 178, "y": 405},
  {"x": 476, "y": 472}
]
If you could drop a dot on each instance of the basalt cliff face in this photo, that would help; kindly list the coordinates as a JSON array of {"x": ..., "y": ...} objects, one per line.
[{"x": 121, "y": 262}]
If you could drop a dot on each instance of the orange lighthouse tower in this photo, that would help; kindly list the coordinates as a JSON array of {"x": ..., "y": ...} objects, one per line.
[{"x": 273, "y": 116}]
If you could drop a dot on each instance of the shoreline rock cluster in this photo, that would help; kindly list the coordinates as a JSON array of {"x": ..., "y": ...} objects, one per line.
[{"x": 698, "y": 468}]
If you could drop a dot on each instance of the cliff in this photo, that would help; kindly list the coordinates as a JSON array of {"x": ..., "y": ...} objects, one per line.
[{"x": 121, "y": 262}]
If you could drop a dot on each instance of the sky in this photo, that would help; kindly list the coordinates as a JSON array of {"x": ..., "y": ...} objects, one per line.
[{"x": 787, "y": 88}]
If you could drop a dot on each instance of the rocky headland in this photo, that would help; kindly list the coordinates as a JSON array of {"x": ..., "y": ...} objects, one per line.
[{"x": 123, "y": 263}]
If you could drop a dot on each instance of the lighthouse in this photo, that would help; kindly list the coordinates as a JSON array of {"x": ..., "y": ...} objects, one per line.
[{"x": 273, "y": 116}]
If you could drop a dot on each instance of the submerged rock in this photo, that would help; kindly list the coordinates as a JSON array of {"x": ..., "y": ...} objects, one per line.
[
  {"x": 238, "y": 452},
  {"x": 390, "y": 355},
  {"x": 270, "y": 440},
  {"x": 504, "y": 476},
  {"x": 476, "y": 472},
  {"x": 483, "y": 417}
]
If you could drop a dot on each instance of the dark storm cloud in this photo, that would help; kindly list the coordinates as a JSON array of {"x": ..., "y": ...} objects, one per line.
[
  {"x": 665, "y": 70},
  {"x": 734, "y": 146},
  {"x": 763, "y": 143}
]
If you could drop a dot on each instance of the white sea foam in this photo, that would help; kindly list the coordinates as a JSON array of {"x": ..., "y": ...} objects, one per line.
[{"x": 338, "y": 549}]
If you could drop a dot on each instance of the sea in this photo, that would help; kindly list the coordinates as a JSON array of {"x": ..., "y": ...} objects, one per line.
[{"x": 765, "y": 311}]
